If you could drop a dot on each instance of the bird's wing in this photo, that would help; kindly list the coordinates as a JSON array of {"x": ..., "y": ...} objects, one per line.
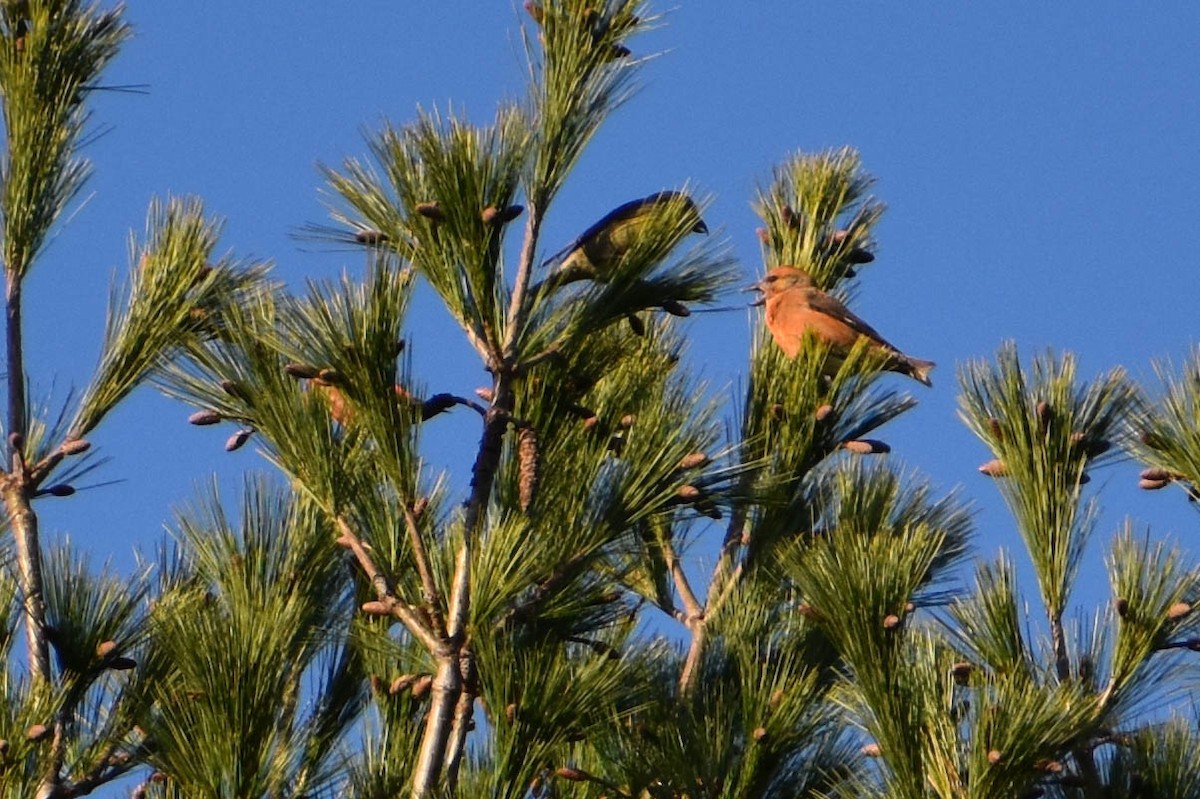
[
  {"x": 821, "y": 302},
  {"x": 618, "y": 214}
]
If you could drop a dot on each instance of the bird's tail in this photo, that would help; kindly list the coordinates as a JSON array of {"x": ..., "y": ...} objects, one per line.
[{"x": 918, "y": 369}]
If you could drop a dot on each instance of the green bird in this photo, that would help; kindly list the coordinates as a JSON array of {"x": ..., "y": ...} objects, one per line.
[{"x": 598, "y": 249}]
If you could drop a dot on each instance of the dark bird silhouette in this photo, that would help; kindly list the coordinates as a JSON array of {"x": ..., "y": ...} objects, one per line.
[{"x": 599, "y": 248}]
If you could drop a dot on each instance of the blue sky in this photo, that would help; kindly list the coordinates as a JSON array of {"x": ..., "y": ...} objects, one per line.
[{"x": 1039, "y": 163}]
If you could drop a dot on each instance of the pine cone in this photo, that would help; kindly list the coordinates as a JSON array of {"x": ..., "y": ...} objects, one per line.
[{"x": 529, "y": 465}]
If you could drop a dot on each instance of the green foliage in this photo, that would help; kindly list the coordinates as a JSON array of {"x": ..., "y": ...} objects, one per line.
[
  {"x": 262, "y": 598},
  {"x": 1045, "y": 430},
  {"x": 819, "y": 216},
  {"x": 176, "y": 293},
  {"x": 51, "y": 52},
  {"x": 371, "y": 629},
  {"x": 1167, "y": 434}
]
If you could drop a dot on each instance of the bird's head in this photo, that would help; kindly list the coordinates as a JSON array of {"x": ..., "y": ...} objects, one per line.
[{"x": 779, "y": 280}]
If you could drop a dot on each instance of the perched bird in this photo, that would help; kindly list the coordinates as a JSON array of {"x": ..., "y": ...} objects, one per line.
[
  {"x": 795, "y": 305},
  {"x": 597, "y": 250}
]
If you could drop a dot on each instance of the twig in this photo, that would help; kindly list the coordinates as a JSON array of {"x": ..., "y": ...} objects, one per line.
[
  {"x": 561, "y": 574},
  {"x": 1062, "y": 664},
  {"x": 463, "y": 722},
  {"x": 424, "y": 571},
  {"x": 111, "y": 765},
  {"x": 517, "y": 310},
  {"x": 379, "y": 582}
]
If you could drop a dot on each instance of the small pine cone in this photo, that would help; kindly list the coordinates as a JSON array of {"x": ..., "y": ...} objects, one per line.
[
  {"x": 759, "y": 733},
  {"x": 37, "y": 732},
  {"x": 370, "y": 237},
  {"x": 994, "y": 468},
  {"x": 329, "y": 377},
  {"x": 777, "y": 411},
  {"x": 421, "y": 686},
  {"x": 1049, "y": 766},
  {"x": 510, "y": 712},
  {"x": 3, "y": 746},
  {"x": 74, "y": 446},
  {"x": 238, "y": 439},
  {"x": 689, "y": 493},
  {"x": 301, "y": 371},
  {"x": 529, "y": 465},
  {"x": 675, "y": 308},
  {"x": 235, "y": 389},
  {"x": 203, "y": 418},
  {"x": 1152, "y": 485},
  {"x": 401, "y": 683},
  {"x": 105, "y": 648},
  {"x": 997, "y": 431},
  {"x": 627, "y": 421},
  {"x": 825, "y": 412},
  {"x": 961, "y": 672},
  {"x": 1122, "y": 606},
  {"x": 835, "y": 239},
  {"x": 871, "y": 750},
  {"x": 808, "y": 611},
  {"x": 419, "y": 506},
  {"x": 994, "y": 757},
  {"x": 201, "y": 273},
  {"x": 1157, "y": 474},
  {"x": 572, "y": 774},
  {"x": 485, "y": 393},
  {"x": 501, "y": 216},
  {"x": 891, "y": 621},
  {"x": 866, "y": 446},
  {"x": 776, "y": 698},
  {"x": 1178, "y": 611},
  {"x": 1045, "y": 415},
  {"x": 696, "y": 460},
  {"x": 431, "y": 211},
  {"x": 790, "y": 217},
  {"x": 590, "y": 422}
]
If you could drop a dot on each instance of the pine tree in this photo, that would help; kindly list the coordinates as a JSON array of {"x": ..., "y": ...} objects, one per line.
[{"x": 533, "y": 625}]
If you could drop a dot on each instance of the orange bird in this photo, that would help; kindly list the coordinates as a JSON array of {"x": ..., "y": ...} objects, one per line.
[{"x": 795, "y": 305}]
